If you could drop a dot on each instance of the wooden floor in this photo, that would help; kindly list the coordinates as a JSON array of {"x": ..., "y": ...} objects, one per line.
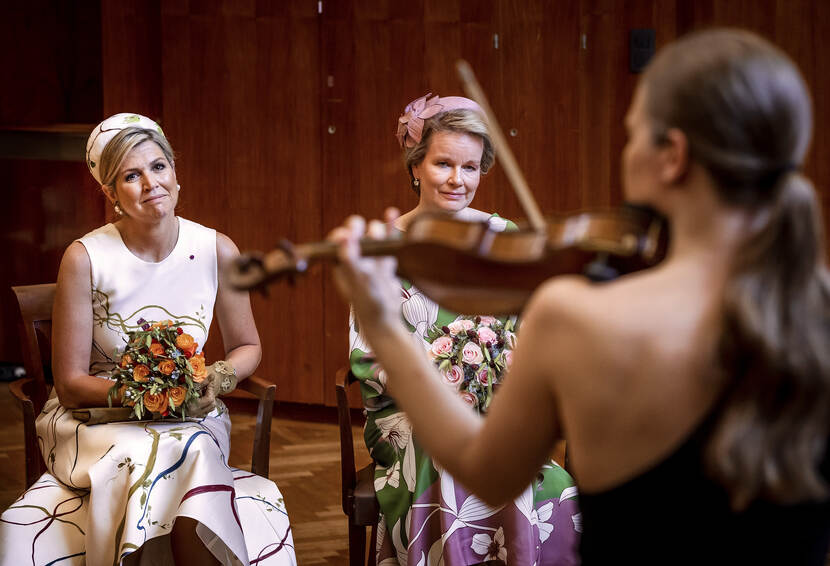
[{"x": 305, "y": 464}]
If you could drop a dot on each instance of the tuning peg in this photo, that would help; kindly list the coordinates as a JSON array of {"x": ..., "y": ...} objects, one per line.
[
  {"x": 300, "y": 263},
  {"x": 245, "y": 262}
]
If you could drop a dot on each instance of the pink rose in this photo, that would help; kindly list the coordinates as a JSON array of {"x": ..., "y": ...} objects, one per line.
[
  {"x": 468, "y": 398},
  {"x": 442, "y": 345},
  {"x": 510, "y": 339},
  {"x": 471, "y": 354},
  {"x": 508, "y": 358},
  {"x": 487, "y": 320},
  {"x": 486, "y": 335},
  {"x": 460, "y": 326},
  {"x": 483, "y": 376},
  {"x": 453, "y": 375}
]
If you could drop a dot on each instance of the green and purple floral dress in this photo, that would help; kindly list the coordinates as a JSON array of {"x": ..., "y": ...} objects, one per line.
[{"x": 427, "y": 518}]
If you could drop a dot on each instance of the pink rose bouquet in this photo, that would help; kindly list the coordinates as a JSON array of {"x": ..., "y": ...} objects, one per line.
[{"x": 472, "y": 355}]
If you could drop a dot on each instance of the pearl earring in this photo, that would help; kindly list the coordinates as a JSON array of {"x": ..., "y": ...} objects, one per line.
[
  {"x": 416, "y": 182},
  {"x": 117, "y": 208},
  {"x": 178, "y": 187}
]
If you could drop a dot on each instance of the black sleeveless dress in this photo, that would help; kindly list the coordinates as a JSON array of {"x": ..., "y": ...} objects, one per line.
[{"x": 674, "y": 514}]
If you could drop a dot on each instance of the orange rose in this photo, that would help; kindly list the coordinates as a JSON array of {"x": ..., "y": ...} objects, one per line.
[
  {"x": 190, "y": 351},
  {"x": 184, "y": 341},
  {"x": 156, "y": 403},
  {"x": 140, "y": 373},
  {"x": 177, "y": 395},
  {"x": 197, "y": 362},
  {"x": 126, "y": 361},
  {"x": 167, "y": 367},
  {"x": 124, "y": 401},
  {"x": 163, "y": 324},
  {"x": 157, "y": 349}
]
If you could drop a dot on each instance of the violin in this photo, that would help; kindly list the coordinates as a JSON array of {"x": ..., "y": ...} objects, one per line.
[{"x": 468, "y": 267}]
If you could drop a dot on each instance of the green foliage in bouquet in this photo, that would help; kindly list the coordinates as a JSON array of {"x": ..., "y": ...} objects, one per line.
[{"x": 158, "y": 370}]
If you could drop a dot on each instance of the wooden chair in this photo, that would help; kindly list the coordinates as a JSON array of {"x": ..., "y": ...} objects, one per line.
[
  {"x": 32, "y": 391},
  {"x": 358, "y": 486}
]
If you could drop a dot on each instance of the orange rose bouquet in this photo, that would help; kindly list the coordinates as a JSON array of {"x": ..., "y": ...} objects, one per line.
[{"x": 158, "y": 370}]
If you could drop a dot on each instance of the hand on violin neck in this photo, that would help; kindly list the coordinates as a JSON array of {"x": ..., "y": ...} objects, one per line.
[{"x": 367, "y": 283}]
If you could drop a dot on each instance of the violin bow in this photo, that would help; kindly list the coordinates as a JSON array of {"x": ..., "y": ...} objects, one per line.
[{"x": 508, "y": 160}]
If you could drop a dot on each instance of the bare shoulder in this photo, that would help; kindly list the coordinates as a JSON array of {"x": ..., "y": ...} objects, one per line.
[
  {"x": 75, "y": 264},
  {"x": 226, "y": 250},
  {"x": 562, "y": 300},
  {"x": 559, "y": 314},
  {"x": 74, "y": 277},
  {"x": 570, "y": 320}
]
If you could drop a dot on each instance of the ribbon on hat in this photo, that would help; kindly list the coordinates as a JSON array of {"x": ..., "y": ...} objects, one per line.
[
  {"x": 106, "y": 130},
  {"x": 411, "y": 122}
]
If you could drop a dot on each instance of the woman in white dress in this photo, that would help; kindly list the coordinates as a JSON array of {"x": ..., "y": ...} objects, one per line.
[{"x": 150, "y": 493}]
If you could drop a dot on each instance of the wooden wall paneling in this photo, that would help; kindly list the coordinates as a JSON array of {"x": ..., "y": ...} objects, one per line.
[
  {"x": 288, "y": 197},
  {"x": 131, "y": 71},
  {"x": 46, "y": 205},
  {"x": 36, "y": 98},
  {"x": 467, "y": 30},
  {"x": 540, "y": 100},
  {"x": 797, "y": 27},
  {"x": 607, "y": 87},
  {"x": 338, "y": 181},
  {"x": 240, "y": 103},
  {"x": 53, "y": 51},
  {"x": 461, "y": 29},
  {"x": 352, "y": 141},
  {"x": 603, "y": 53}
]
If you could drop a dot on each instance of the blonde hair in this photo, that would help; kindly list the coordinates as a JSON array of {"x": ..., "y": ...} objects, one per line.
[
  {"x": 123, "y": 143},
  {"x": 460, "y": 121}
]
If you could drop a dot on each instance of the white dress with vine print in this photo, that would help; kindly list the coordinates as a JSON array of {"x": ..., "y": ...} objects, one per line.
[{"x": 113, "y": 488}]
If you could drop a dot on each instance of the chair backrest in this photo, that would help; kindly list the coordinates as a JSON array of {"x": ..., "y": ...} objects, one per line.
[
  {"x": 348, "y": 474},
  {"x": 35, "y": 303}
]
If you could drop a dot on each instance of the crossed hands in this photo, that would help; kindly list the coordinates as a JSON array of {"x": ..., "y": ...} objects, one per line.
[{"x": 369, "y": 284}]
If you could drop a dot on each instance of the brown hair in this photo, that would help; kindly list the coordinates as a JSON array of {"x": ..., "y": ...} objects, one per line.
[
  {"x": 461, "y": 121},
  {"x": 122, "y": 143},
  {"x": 747, "y": 115}
]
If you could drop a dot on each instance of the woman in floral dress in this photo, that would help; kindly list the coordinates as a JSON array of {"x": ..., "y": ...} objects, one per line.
[{"x": 426, "y": 516}]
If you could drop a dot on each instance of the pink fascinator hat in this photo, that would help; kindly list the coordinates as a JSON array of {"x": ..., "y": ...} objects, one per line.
[{"x": 411, "y": 123}]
